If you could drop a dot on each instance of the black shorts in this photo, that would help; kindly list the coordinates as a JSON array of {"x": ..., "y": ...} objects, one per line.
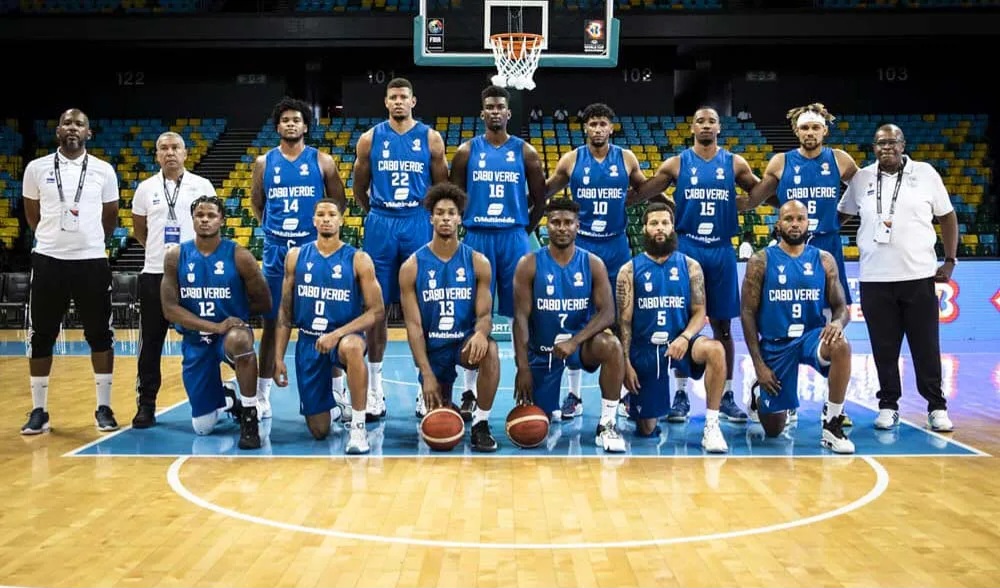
[{"x": 54, "y": 282}]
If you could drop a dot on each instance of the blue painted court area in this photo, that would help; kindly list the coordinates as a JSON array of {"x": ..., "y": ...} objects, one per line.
[{"x": 397, "y": 436}]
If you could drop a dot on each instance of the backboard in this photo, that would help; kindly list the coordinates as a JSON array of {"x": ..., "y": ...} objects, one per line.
[{"x": 583, "y": 33}]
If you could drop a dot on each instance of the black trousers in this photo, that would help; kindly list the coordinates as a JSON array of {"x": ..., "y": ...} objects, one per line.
[
  {"x": 895, "y": 309},
  {"x": 56, "y": 282},
  {"x": 152, "y": 333}
]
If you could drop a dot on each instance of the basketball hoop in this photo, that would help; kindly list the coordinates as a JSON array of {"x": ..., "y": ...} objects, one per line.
[{"x": 516, "y": 56}]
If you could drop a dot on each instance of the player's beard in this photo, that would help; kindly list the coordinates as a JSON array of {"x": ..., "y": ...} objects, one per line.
[
  {"x": 663, "y": 248},
  {"x": 801, "y": 239},
  {"x": 328, "y": 234}
]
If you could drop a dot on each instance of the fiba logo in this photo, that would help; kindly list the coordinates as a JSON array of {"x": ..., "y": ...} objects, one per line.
[
  {"x": 947, "y": 293},
  {"x": 594, "y": 30},
  {"x": 435, "y": 26}
]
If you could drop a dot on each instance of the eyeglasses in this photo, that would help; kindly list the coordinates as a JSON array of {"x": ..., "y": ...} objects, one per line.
[{"x": 888, "y": 142}]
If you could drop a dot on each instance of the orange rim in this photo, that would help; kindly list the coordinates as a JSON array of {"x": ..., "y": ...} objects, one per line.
[{"x": 516, "y": 43}]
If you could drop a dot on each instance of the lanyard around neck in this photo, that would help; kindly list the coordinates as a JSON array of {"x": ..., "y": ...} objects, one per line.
[
  {"x": 79, "y": 186},
  {"x": 895, "y": 191},
  {"x": 172, "y": 199}
]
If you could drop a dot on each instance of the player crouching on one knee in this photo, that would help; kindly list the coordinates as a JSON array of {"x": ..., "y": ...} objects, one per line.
[
  {"x": 330, "y": 294},
  {"x": 661, "y": 310},
  {"x": 785, "y": 290},
  {"x": 210, "y": 287}
]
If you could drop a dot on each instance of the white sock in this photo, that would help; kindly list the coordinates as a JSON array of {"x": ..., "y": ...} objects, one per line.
[
  {"x": 248, "y": 401},
  {"x": 832, "y": 410},
  {"x": 40, "y": 392},
  {"x": 470, "y": 380},
  {"x": 338, "y": 385},
  {"x": 263, "y": 389},
  {"x": 609, "y": 408},
  {"x": 480, "y": 415},
  {"x": 375, "y": 376},
  {"x": 711, "y": 416},
  {"x": 682, "y": 384},
  {"x": 573, "y": 379},
  {"x": 358, "y": 418},
  {"x": 729, "y": 387},
  {"x": 103, "y": 382}
]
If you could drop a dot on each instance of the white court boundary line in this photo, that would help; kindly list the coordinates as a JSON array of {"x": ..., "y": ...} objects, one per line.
[
  {"x": 881, "y": 484},
  {"x": 75, "y": 452}
]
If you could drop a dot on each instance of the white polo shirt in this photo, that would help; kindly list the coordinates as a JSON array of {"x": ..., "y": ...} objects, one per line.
[
  {"x": 100, "y": 186},
  {"x": 909, "y": 254},
  {"x": 150, "y": 202}
]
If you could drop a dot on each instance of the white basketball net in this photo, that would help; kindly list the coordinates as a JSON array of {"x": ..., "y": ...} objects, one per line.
[{"x": 517, "y": 59}]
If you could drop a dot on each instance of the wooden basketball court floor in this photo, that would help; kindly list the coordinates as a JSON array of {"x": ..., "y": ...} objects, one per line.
[{"x": 161, "y": 507}]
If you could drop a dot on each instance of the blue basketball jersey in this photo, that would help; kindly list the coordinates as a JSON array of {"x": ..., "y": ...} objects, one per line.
[
  {"x": 706, "y": 198},
  {"x": 661, "y": 299},
  {"x": 816, "y": 183},
  {"x": 210, "y": 285},
  {"x": 793, "y": 294},
  {"x": 560, "y": 299},
  {"x": 291, "y": 189},
  {"x": 327, "y": 295},
  {"x": 599, "y": 188},
  {"x": 496, "y": 184},
  {"x": 400, "y": 169},
  {"x": 446, "y": 293}
]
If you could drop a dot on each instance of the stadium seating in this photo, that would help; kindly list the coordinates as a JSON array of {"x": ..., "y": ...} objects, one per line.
[
  {"x": 11, "y": 168},
  {"x": 905, "y": 4},
  {"x": 52, "y": 7}
]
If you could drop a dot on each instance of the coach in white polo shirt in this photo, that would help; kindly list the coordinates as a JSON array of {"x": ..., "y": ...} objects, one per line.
[
  {"x": 71, "y": 203},
  {"x": 161, "y": 212},
  {"x": 898, "y": 199}
]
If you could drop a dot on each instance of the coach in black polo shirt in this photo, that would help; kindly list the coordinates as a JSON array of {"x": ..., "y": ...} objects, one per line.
[{"x": 71, "y": 203}]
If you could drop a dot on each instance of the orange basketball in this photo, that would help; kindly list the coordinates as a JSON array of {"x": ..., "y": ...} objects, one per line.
[
  {"x": 442, "y": 429},
  {"x": 527, "y": 426}
]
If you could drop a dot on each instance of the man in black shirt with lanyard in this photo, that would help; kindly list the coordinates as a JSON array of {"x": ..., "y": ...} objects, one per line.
[{"x": 71, "y": 203}]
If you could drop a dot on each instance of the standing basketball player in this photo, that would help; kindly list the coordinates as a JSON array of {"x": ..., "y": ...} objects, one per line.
[
  {"x": 210, "y": 286},
  {"x": 397, "y": 161},
  {"x": 599, "y": 175},
  {"x": 784, "y": 293},
  {"x": 811, "y": 174},
  {"x": 562, "y": 305},
  {"x": 287, "y": 182},
  {"x": 448, "y": 308},
  {"x": 706, "y": 176},
  {"x": 661, "y": 305},
  {"x": 330, "y": 294},
  {"x": 506, "y": 188}
]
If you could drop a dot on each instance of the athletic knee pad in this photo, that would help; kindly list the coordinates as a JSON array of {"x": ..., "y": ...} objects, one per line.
[
  {"x": 204, "y": 424},
  {"x": 101, "y": 341},
  {"x": 40, "y": 345}
]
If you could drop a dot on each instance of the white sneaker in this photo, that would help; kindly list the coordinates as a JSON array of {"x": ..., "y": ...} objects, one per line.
[
  {"x": 375, "y": 408},
  {"x": 357, "y": 443},
  {"x": 609, "y": 438},
  {"x": 421, "y": 408},
  {"x": 833, "y": 437},
  {"x": 938, "y": 420},
  {"x": 263, "y": 407},
  {"x": 712, "y": 439},
  {"x": 793, "y": 415},
  {"x": 343, "y": 400},
  {"x": 887, "y": 419}
]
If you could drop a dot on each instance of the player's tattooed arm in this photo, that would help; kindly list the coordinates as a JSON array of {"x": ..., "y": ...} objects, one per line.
[
  {"x": 623, "y": 292},
  {"x": 753, "y": 283}
]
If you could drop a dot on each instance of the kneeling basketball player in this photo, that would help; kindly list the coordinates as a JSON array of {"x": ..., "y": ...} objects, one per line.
[{"x": 444, "y": 289}]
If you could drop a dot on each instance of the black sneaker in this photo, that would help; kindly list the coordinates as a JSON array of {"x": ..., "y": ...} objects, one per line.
[
  {"x": 105, "y": 419},
  {"x": 482, "y": 439},
  {"x": 38, "y": 423},
  {"x": 145, "y": 417},
  {"x": 468, "y": 405},
  {"x": 249, "y": 431}
]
